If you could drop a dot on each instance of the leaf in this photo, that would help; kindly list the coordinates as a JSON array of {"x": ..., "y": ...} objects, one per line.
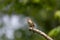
[
  {"x": 54, "y": 32},
  {"x": 36, "y": 1},
  {"x": 57, "y": 14}
]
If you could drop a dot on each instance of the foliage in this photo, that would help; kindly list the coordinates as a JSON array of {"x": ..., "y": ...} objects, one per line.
[{"x": 44, "y": 12}]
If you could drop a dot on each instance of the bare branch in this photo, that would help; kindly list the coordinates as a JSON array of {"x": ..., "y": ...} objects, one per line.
[{"x": 41, "y": 33}]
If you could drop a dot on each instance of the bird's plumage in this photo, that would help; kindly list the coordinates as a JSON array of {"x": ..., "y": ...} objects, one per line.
[{"x": 31, "y": 24}]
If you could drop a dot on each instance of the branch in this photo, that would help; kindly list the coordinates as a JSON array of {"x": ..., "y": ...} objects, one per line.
[
  {"x": 41, "y": 33},
  {"x": 31, "y": 27}
]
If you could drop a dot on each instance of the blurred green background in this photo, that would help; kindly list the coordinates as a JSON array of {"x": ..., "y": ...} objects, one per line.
[{"x": 44, "y": 13}]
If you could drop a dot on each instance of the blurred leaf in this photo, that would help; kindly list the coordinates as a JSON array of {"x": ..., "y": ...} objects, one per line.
[
  {"x": 57, "y": 14},
  {"x": 24, "y": 2},
  {"x": 54, "y": 32},
  {"x": 36, "y": 1}
]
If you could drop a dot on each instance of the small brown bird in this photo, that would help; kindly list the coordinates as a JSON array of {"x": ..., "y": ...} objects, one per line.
[{"x": 31, "y": 24}]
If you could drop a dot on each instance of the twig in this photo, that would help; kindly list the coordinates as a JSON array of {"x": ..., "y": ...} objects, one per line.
[
  {"x": 31, "y": 27},
  {"x": 41, "y": 33}
]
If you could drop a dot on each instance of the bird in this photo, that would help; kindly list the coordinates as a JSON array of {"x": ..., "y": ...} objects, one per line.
[{"x": 30, "y": 22}]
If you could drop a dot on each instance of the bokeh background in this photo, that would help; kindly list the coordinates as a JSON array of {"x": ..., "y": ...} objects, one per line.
[{"x": 44, "y": 13}]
